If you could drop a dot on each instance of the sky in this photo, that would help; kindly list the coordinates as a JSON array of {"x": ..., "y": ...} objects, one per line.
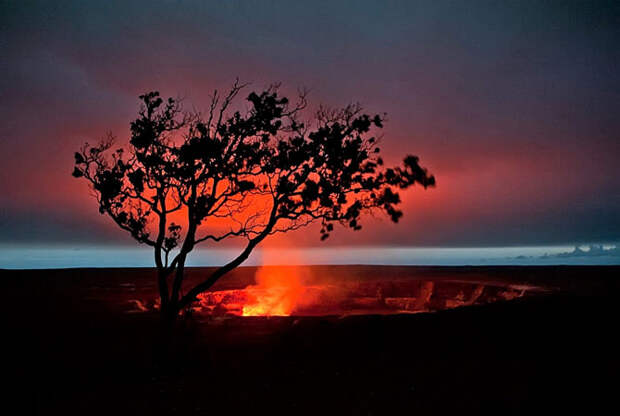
[{"x": 513, "y": 106}]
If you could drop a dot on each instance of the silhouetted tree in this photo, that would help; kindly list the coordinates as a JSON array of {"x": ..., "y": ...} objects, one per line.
[{"x": 239, "y": 176}]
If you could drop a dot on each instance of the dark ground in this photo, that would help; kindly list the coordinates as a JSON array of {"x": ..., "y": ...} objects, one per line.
[{"x": 72, "y": 350}]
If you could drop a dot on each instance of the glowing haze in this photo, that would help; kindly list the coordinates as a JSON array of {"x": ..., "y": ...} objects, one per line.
[{"x": 512, "y": 106}]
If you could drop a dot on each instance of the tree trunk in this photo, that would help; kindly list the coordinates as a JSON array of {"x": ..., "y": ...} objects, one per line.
[
  {"x": 178, "y": 279},
  {"x": 163, "y": 288},
  {"x": 170, "y": 312}
]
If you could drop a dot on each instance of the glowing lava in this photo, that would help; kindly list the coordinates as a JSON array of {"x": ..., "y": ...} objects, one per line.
[
  {"x": 276, "y": 293},
  {"x": 293, "y": 290}
]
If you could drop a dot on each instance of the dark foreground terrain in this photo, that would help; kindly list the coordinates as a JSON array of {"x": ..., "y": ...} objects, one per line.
[{"x": 73, "y": 348}]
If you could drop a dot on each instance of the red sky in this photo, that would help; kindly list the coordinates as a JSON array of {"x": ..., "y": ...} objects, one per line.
[{"x": 512, "y": 107}]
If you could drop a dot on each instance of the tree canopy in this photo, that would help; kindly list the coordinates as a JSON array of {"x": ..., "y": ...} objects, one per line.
[{"x": 187, "y": 178}]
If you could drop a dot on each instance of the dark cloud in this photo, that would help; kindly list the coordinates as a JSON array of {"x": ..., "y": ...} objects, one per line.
[{"x": 595, "y": 250}]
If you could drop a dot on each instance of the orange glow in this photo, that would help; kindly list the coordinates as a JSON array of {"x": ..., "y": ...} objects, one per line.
[
  {"x": 283, "y": 291},
  {"x": 276, "y": 293},
  {"x": 302, "y": 291}
]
